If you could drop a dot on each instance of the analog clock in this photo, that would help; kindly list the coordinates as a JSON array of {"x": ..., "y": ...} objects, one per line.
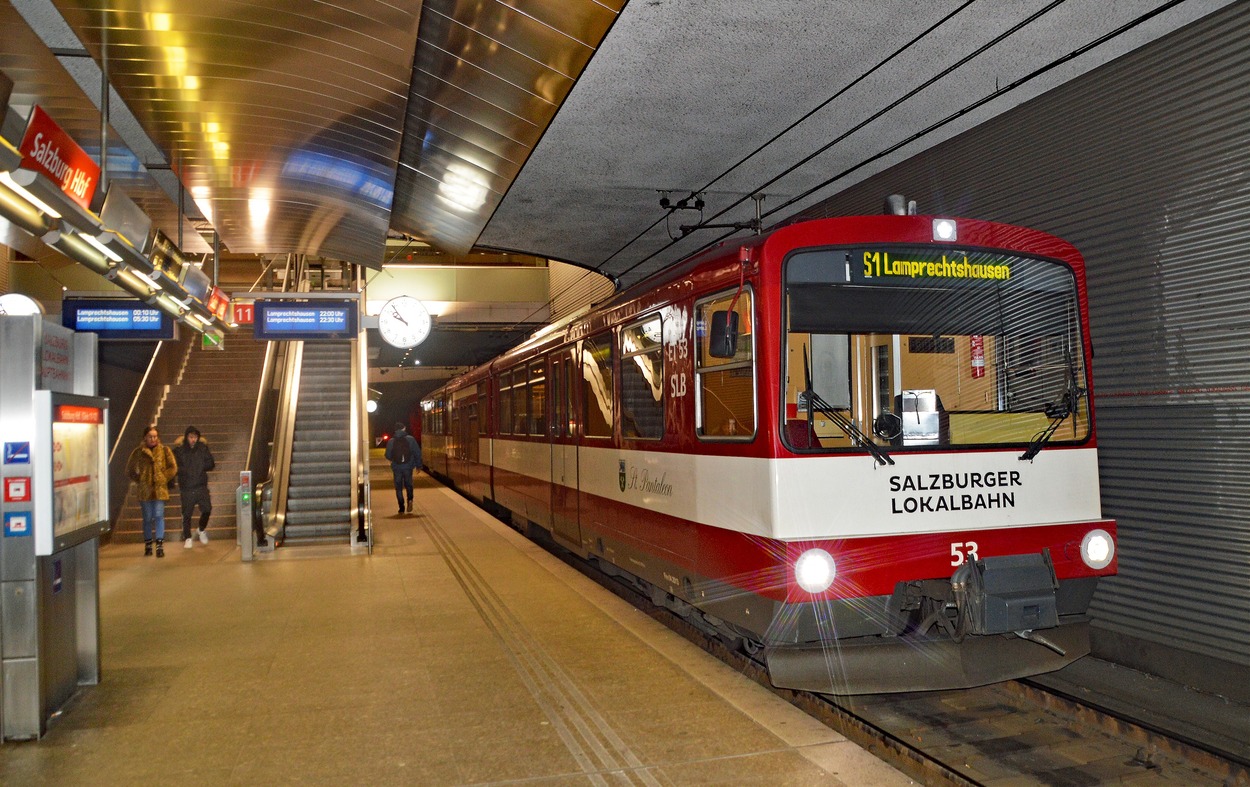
[{"x": 404, "y": 322}]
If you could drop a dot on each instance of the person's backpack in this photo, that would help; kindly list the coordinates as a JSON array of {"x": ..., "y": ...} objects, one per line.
[{"x": 402, "y": 453}]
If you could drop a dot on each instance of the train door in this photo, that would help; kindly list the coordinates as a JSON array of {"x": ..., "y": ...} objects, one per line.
[
  {"x": 598, "y": 460},
  {"x": 562, "y": 428}
]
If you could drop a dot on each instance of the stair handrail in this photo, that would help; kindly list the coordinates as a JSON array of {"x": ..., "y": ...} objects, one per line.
[
  {"x": 361, "y": 513},
  {"x": 284, "y": 438},
  {"x": 284, "y": 418},
  {"x": 261, "y": 436}
]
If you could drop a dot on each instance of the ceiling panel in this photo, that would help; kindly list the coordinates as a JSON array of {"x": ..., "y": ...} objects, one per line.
[
  {"x": 487, "y": 75},
  {"x": 790, "y": 98},
  {"x": 41, "y": 78},
  {"x": 543, "y": 126},
  {"x": 283, "y": 119}
]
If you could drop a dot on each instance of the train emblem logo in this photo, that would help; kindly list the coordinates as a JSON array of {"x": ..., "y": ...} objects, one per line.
[{"x": 622, "y": 476}]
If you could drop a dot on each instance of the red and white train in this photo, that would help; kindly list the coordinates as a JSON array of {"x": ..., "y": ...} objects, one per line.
[{"x": 862, "y": 448}]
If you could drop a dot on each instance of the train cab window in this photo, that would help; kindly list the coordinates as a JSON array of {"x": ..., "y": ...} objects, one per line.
[
  {"x": 931, "y": 348},
  {"x": 597, "y": 385},
  {"x": 817, "y": 380},
  {"x": 538, "y": 398},
  {"x": 725, "y": 387},
  {"x": 642, "y": 380}
]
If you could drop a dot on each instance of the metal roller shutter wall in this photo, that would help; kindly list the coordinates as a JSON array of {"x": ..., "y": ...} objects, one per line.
[
  {"x": 572, "y": 288},
  {"x": 1144, "y": 164}
]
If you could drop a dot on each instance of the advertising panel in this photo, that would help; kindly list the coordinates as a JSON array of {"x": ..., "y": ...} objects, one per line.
[
  {"x": 71, "y": 470},
  {"x": 196, "y": 282},
  {"x": 165, "y": 256},
  {"x": 218, "y": 303},
  {"x": 123, "y": 216}
]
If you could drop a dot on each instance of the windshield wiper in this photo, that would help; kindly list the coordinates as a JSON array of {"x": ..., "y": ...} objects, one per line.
[
  {"x": 818, "y": 404},
  {"x": 1057, "y": 412}
]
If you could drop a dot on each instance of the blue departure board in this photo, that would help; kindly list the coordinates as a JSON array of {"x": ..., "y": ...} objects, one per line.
[
  {"x": 117, "y": 318},
  {"x": 286, "y": 320}
]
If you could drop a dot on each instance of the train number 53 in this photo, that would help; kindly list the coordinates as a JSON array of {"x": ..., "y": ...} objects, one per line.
[{"x": 962, "y": 551}]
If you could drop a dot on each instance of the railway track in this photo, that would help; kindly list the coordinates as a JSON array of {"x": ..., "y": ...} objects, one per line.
[{"x": 1012, "y": 733}]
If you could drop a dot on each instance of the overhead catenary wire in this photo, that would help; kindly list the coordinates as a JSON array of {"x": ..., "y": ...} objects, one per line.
[
  {"x": 805, "y": 117},
  {"x": 764, "y": 145},
  {"x": 998, "y": 92}
]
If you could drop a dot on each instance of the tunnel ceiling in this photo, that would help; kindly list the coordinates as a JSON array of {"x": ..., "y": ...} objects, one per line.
[{"x": 552, "y": 128}]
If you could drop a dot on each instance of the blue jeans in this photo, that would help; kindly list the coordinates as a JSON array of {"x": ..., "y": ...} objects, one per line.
[
  {"x": 153, "y": 519},
  {"x": 403, "y": 483}
]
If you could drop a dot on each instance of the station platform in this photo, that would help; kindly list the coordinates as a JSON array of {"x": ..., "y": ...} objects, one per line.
[{"x": 457, "y": 653}]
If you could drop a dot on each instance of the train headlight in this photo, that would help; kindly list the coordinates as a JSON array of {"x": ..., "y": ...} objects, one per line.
[
  {"x": 1097, "y": 549},
  {"x": 814, "y": 570},
  {"x": 945, "y": 230}
]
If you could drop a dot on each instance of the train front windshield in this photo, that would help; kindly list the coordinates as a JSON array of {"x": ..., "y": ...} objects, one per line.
[{"x": 931, "y": 347}]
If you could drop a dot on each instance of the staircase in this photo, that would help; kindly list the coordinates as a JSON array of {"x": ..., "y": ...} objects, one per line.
[
  {"x": 319, "y": 490},
  {"x": 217, "y": 395}
]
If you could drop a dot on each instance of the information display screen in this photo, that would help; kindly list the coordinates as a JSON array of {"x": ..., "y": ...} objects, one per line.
[
  {"x": 117, "y": 318},
  {"x": 284, "y": 320}
]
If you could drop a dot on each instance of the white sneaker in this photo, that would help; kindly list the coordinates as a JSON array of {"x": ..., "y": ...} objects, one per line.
[
  {"x": 203, "y": 536},
  {"x": 187, "y": 545}
]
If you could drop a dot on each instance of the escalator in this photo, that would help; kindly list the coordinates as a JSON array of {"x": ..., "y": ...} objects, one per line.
[
  {"x": 309, "y": 440},
  {"x": 319, "y": 505}
]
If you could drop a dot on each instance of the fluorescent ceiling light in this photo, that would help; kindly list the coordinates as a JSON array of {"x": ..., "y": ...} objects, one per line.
[
  {"x": 143, "y": 277},
  {"x": 170, "y": 305},
  {"x": 21, "y": 191},
  {"x": 463, "y": 188},
  {"x": 107, "y": 252}
]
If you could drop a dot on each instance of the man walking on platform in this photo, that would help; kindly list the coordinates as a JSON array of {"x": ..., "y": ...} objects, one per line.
[
  {"x": 404, "y": 453},
  {"x": 194, "y": 462}
]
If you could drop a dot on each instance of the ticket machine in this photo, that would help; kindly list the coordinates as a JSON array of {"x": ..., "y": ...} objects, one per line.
[{"x": 54, "y": 431}]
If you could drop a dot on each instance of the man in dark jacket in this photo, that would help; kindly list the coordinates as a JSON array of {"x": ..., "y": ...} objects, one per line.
[
  {"x": 404, "y": 454},
  {"x": 194, "y": 462}
]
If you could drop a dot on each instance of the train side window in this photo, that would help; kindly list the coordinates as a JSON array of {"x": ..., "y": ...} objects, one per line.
[
  {"x": 472, "y": 429},
  {"x": 570, "y": 391},
  {"x": 557, "y": 400},
  {"x": 464, "y": 424},
  {"x": 597, "y": 385},
  {"x": 538, "y": 398},
  {"x": 642, "y": 380},
  {"x": 505, "y": 403},
  {"x": 520, "y": 401},
  {"x": 454, "y": 445},
  {"x": 725, "y": 386}
]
